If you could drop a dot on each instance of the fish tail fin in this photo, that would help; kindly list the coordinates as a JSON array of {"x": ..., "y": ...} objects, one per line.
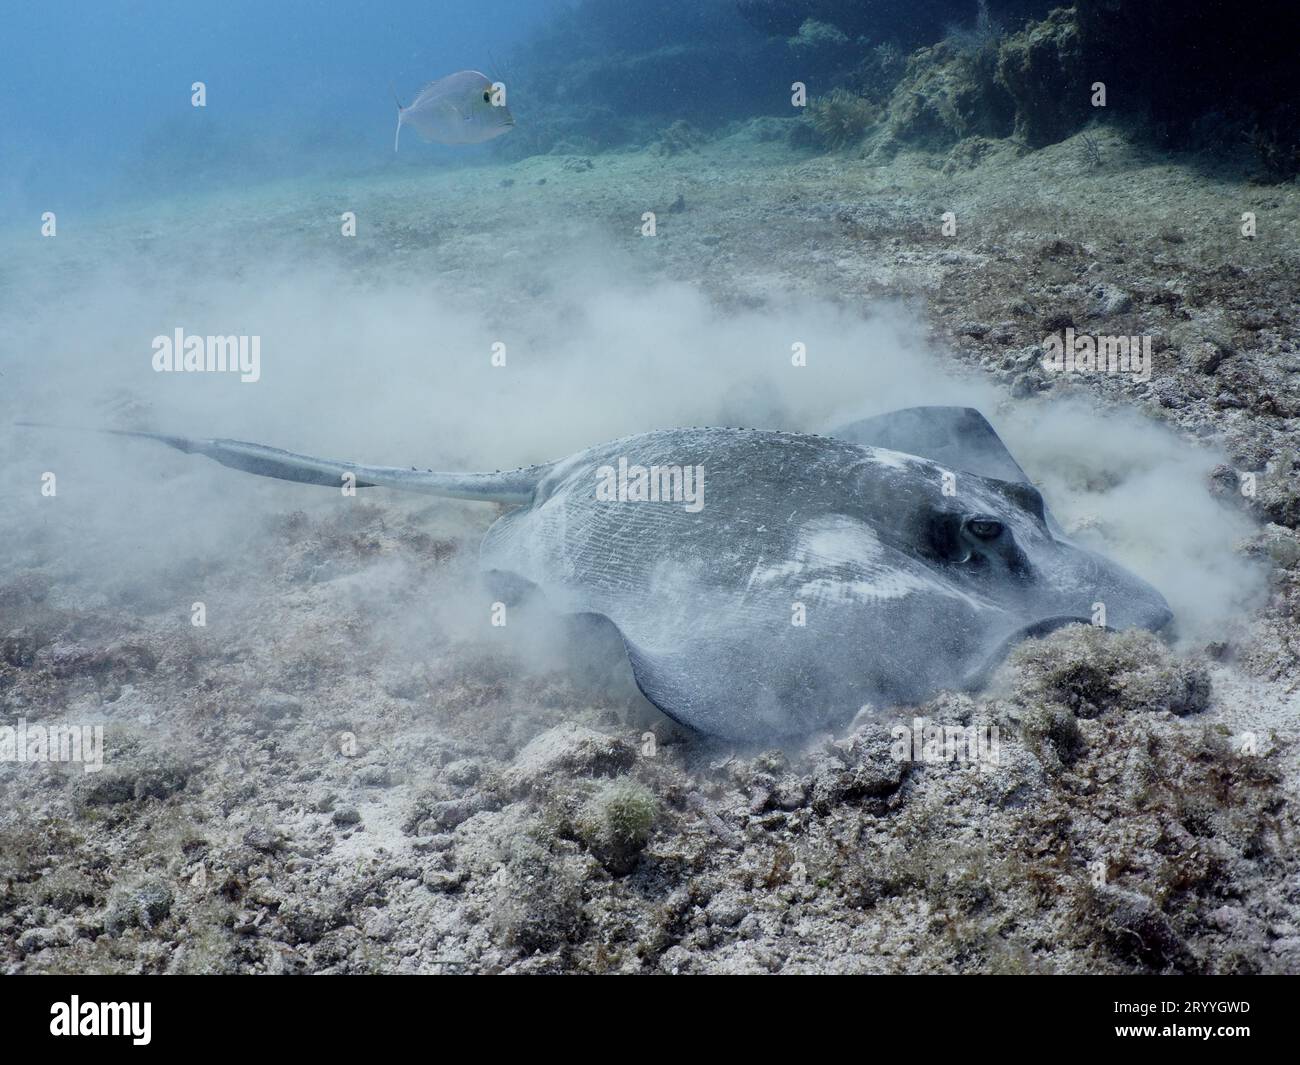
[
  {"x": 507, "y": 486},
  {"x": 397, "y": 100}
]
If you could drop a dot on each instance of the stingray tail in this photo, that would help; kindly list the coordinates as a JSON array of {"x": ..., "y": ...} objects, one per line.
[{"x": 509, "y": 486}]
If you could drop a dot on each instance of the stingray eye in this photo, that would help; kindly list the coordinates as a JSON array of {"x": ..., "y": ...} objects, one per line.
[
  {"x": 985, "y": 528},
  {"x": 487, "y": 96}
]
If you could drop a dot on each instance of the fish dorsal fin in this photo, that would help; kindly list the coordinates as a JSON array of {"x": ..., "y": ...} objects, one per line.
[{"x": 424, "y": 95}]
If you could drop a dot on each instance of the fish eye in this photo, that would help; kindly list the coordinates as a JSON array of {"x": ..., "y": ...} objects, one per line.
[
  {"x": 487, "y": 96},
  {"x": 985, "y": 528}
]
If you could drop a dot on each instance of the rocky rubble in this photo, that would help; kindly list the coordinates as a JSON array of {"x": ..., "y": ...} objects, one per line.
[{"x": 311, "y": 793}]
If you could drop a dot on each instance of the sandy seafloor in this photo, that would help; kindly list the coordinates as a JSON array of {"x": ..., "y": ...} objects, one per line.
[{"x": 348, "y": 770}]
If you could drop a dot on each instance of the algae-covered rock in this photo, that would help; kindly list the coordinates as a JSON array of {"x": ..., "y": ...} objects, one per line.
[
  {"x": 538, "y": 902},
  {"x": 1043, "y": 71},
  {"x": 948, "y": 93},
  {"x": 568, "y": 749},
  {"x": 1135, "y": 928},
  {"x": 841, "y": 117},
  {"x": 141, "y": 904},
  {"x": 616, "y": 823},
  {"x": 137, "y": 780},
  {"x": 1053, "y": 733},
  {"x": 1279, "y": 490},
  {"x": 913, "y": 23},
  {"x": 1090, "y": 670}
]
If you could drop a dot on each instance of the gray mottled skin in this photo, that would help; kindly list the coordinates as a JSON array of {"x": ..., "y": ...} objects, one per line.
[
  {"x": 899, "y": 599},
  {"x": 903, "y": 589}
]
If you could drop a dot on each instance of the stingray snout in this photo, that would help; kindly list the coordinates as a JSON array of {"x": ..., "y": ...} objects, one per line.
[{"x": 1107, "y": 593}]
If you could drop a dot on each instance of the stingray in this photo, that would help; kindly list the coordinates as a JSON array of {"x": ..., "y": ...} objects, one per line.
[{"x": 770, "y": 584}]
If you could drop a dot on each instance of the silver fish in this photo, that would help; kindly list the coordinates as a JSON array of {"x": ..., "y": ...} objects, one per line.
[{"x": 459, "y": 109}]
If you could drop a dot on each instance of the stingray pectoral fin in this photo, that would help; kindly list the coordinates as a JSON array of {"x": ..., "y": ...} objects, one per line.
[
  {"x": 959, "y": 437},
  {"x": 511, "y": 486},
  {"x": 721, "y": 689},
  {"x": 979, "y": 677},
  {"x": 655, "y": 680}
]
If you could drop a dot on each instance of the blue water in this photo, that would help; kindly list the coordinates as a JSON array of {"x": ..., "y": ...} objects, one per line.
[{"x": 95, "y": 94}]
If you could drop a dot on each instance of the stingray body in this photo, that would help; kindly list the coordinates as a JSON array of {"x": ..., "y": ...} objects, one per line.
[{"x": 808, "y": 576}]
